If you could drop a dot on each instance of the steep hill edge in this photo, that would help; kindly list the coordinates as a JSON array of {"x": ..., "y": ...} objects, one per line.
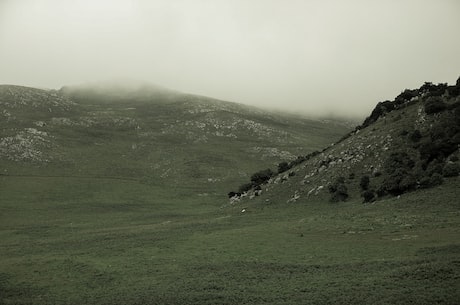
[{"x": 406, "y": 144}]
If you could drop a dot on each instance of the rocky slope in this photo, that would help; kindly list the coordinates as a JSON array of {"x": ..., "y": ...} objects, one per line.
[
  {"x": 150, "y": 134},
  {"x": 406, "y": 144}
]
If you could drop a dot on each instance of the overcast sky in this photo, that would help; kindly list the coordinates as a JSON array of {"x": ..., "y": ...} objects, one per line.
[{"x": 314, "y": 56}]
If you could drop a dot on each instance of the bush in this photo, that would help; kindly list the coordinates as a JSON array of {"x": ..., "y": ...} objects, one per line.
[
  {"x": 415, "y": 136},
  {"x": 245, "y": 187},
  {"x": 398, "y": 161},
  {"x": 282, "y": 167},
  {"x": 368, "y": 196},
  {"x": 364, "y": 183},
  {"x": 262, "y": 176},
  {"x": 338, "y": 190},
  {"x": 233, "y": 194},
  {"x": 434, "y": 105},
  {"x": 436, "y": 179},
  {"x": 379, "y": 110},
  {"x": 451, "y": 170}
]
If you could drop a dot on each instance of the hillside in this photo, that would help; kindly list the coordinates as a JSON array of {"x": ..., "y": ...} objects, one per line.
[
  {"x": 106, "y": 200},
  {"x": 405, "y": 145},
  {"x": 146, "y": 133}
]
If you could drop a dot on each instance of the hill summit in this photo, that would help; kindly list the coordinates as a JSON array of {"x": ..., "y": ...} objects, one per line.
[{"x": 406, "y": 144}]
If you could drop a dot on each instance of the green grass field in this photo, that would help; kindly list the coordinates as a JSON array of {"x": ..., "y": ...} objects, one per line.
[{"x": 108, "y": 241}]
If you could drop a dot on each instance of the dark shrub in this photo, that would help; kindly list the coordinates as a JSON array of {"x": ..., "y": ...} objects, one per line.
[
  {"x": 368, "y": 196},
  {"x": 233, "y": 194},
  {"x": 435, "y": 167},
  {"x": 245, "y": 187},
  {"x": 408, "y": 183},
  {"x": 434, "y": 105},
  {"x": 453, "y": 91},
  {"x": 262, "y": 176},
  {"x": 351, "y": 176},
  {"x": 398, "y": 161},
  {"x": 451, "y": 170},
  {"x": 381, "y": 191},
  {"x": 436, "y": 179},
  {"x": 283, "y": 166},
  {"x": 406, "y": 95},
  {"x": 415, "y": 136},
  {"x": 379, "y": 110},
  {"x": 338, "y": 190},
  {"x": 425, "y": 182},
  {"x": 433, "y": 90},
  {"x": 403, "y": 132},
  {"x": 364, "y": 183}
]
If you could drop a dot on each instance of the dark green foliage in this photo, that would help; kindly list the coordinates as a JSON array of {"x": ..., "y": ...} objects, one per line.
[
  {"x": 434, "y": 105},
  {"x": 262, "y": 176},
  {"x": 404, "y": 132},
  {"x": 398, "y": 161},
  {"x": 415, "y": 136},
  {"x": 400, "y": 178},
  {"x": 453, "y": 91},
  {"x": 282, "y": 167},
  {"x": 406, "y": 96},
  {"x": 233, "y": 194},
  {"x": 245, "y": 187},
  {"x": 299, "y": 160},
  {"x": 364, "y": 183},
  {"x": 368, "y": 196},
  {"x": 451, "y": 169},
  {"x": 431, "y": 89},
  {"x": 338, "y": 190},
  {"x": 379, "y": 110},
  {"x": 436, "y": 179}
]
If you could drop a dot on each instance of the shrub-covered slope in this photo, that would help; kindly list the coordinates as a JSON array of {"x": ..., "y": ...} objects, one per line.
[{"x": 406, "y": 144}]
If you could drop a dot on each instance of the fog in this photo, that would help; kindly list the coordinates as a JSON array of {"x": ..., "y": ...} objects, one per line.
[{"x": 309, "y": 56}]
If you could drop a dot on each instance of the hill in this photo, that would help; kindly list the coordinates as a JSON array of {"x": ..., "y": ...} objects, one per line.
[
  {"x": 405, "y": 145},
  {"x": 146, "y": 133},
  {"x": 85, "y": 220}
]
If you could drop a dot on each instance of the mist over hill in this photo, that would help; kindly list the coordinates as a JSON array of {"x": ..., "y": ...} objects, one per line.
[{"x": 148, "y": 133}]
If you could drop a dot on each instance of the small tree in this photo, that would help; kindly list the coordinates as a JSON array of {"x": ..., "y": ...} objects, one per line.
[
  {"x": 282, "y": 167},
  {"x": 434, "y": 105},
  {"x": 338, "y": 190},
  {"x": 368, "y": 196},
  {"x": 364, "y": 183},
  {"x": 262, "y": 176}
]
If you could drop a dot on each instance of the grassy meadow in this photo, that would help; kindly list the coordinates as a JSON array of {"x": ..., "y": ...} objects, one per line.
[{"x": 111, "y": 241}]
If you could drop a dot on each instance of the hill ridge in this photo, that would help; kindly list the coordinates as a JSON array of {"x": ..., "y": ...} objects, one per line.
[{"x": 406, "y": 144}]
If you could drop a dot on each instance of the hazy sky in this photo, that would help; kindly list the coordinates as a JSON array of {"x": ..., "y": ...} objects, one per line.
[{"x": 300, "y": 55}]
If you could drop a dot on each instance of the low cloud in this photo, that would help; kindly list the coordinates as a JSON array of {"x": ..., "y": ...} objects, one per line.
[{"x": 316, "y": 57}]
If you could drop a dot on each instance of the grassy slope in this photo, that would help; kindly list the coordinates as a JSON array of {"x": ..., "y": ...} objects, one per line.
[
  {"x": 159, "y": 138},
  {"x": 87, "y": 239},
  {"x": 96, "y": 241}
]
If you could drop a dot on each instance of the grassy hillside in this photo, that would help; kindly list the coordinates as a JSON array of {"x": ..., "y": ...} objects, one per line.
[
  {"x": 80, "y": 241},
  {"x": 148, "y": 134},
  {"x": 110, "y": 202}
]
